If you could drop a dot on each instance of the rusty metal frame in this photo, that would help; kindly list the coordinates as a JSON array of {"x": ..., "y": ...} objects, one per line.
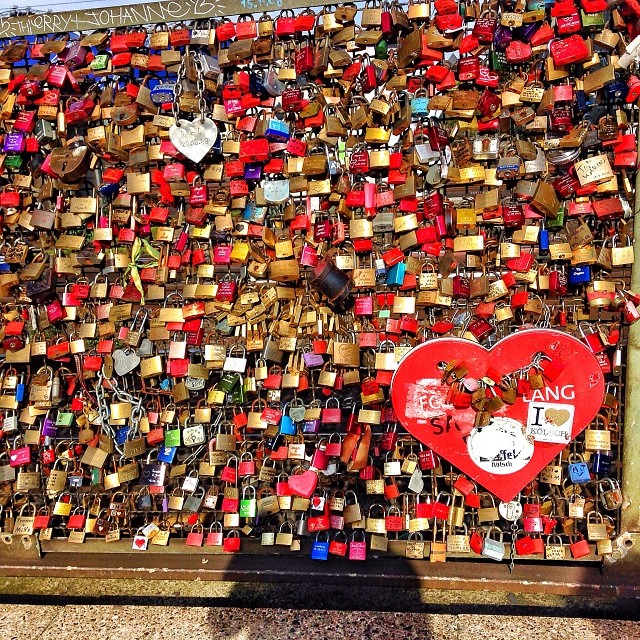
[{"x": 146, "y": 13}]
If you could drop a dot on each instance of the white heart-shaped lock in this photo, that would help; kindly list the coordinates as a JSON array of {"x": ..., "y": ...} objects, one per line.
[
  {"x": 193, "y": 139},
  {"x": 125, "y": 361}
]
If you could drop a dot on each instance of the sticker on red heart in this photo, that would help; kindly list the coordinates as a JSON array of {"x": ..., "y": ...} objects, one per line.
[{"x": 521, "y": 438}]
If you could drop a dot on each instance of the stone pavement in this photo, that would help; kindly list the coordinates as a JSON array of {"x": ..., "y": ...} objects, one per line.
[{"x": 84, "y": 622}]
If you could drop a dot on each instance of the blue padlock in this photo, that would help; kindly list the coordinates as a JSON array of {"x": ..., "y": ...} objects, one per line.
[
  {"x": 320, "y": 548},
  {"x": 143, "y": 501},
  {"x": 107, "y": 189},
  {"x": 601, "y": 464},
  {"x": 121, "y": 435},
  {"x": 287, "y": 427},
  {"x": 616, "y": 92},
  {"x": 162, "y": 93},
  {"x": 395, "y": 275},
  {"x": 167, "y": 454},
  {"x": 278, "y": 130},
  {"x": 543, "y": 241},
  {"x": 256, "y": 85},
  {"x": 579, "y": 471},
  {"x": 419, "y": 108},
  {"x": 253, "y": 213},
  {"x": 20, "y": 389},
  {"x": 579, "y": 275},
  {"x": 380, "y": 268}
]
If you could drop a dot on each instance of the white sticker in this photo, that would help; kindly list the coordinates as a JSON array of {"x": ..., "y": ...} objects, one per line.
[
  {"x": 501, "y": 447},
  {"x": 550, "y": 422}
]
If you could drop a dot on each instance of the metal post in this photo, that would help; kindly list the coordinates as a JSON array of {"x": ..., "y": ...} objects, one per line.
[{"x": 630, "y": 516}]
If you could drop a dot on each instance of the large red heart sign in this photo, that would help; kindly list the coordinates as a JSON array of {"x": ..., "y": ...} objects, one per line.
[{"x": 522, "y": 438}]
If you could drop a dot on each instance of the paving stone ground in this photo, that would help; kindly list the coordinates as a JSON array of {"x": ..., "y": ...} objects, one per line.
[{"x": 84, "y": 622}]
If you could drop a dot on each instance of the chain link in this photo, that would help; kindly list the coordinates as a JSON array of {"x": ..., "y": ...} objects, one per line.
[
  {"x": 177, "y": 91},
  {"x": 200, "y": 85},
  {"x": 202, "y": 103},
  {"x": 512, "y": 551}
]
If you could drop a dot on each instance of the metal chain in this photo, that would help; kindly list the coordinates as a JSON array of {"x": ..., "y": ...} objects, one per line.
[
  {"x": 512, "y": 552},
  {"x": 136, "y": 408},
  {"x": 202, "y": 103},
  {"x": 177, "y": 92}
]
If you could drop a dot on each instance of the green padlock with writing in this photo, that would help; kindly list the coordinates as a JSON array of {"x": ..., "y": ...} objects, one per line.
[{"x": 248, "y": 506}]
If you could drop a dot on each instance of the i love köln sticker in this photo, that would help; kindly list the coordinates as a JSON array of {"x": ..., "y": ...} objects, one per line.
[{"x": 550, "y": 383}]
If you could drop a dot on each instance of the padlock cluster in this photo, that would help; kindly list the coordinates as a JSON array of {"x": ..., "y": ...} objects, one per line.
[{"x": 220, "y": 238}]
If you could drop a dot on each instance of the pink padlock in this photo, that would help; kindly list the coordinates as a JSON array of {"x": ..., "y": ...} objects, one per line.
[
  {"x": 370, "y": 193},
  {"x": 174, "y": 172},
  {"x": 19, "y": 456},
  {"x": 222, "y": 254},
  {"x": 309, "y": 256},
  {"x": 320, "y": 460},
  {"x": 363, "y": 306}
]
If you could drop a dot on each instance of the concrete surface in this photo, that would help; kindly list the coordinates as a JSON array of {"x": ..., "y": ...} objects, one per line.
[{"x": 73, "y": 622}]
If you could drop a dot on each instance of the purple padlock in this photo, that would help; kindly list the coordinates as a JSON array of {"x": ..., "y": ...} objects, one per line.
[
  {"x": 311, "y": 426},
  {"x": 253, "y": 171},
  {"x": 526, "y": 31},
  {"x": 49, "y": 428},
  {"x": 502, "y": 37},
  {"x": 312, "y": 360},
  {"x": 14, "y": 142},
  {"x": 73, "y": 55}
]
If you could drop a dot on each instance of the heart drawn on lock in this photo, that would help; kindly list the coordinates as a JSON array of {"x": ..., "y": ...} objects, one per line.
[
  {"x": 304, "y": 484},
  {"x": 523, "y": 437},
  {"x": 194, "y": 139},
  {"x": 140, "y": 542}
]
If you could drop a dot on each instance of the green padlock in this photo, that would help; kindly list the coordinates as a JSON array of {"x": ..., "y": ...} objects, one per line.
[
  {"x": 228, "y": 381},
  {"x": 248, "y": 506},
  {"x": 499, "y": 61},
  {"x": 381, "y": 50},
  {"x": 100, "y": 62},
  {"x": 172, "y": 438},
  {"x": 239, "y": 395},
  {"x": 592, "y": 21},
  {"x": 558, "y": 221},
  {"x": 64, "y": 419},
  {"x": 14, "y": 161}
]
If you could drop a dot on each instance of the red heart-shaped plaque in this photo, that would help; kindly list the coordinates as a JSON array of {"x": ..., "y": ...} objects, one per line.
[
  {"x": 500, "y": 456},
  {"x": 304, "y": 484}
]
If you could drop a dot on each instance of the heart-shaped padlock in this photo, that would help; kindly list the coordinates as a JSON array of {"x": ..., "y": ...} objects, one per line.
[
  {"x": 512, "y": 449},
  {"x": 125, "y": 361},
  {"x": 194, "y": 139}
]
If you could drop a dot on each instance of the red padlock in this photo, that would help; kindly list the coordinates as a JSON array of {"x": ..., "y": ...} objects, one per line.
[
  {"x": 518, "y": 52},
  {"x": 569, "y": 50},
  {"x": 485, "y": 26},
  {"x": 198, "y": 193},
  {"x": 569, "y": 24},
  {"x": 468, "y": 68}
]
